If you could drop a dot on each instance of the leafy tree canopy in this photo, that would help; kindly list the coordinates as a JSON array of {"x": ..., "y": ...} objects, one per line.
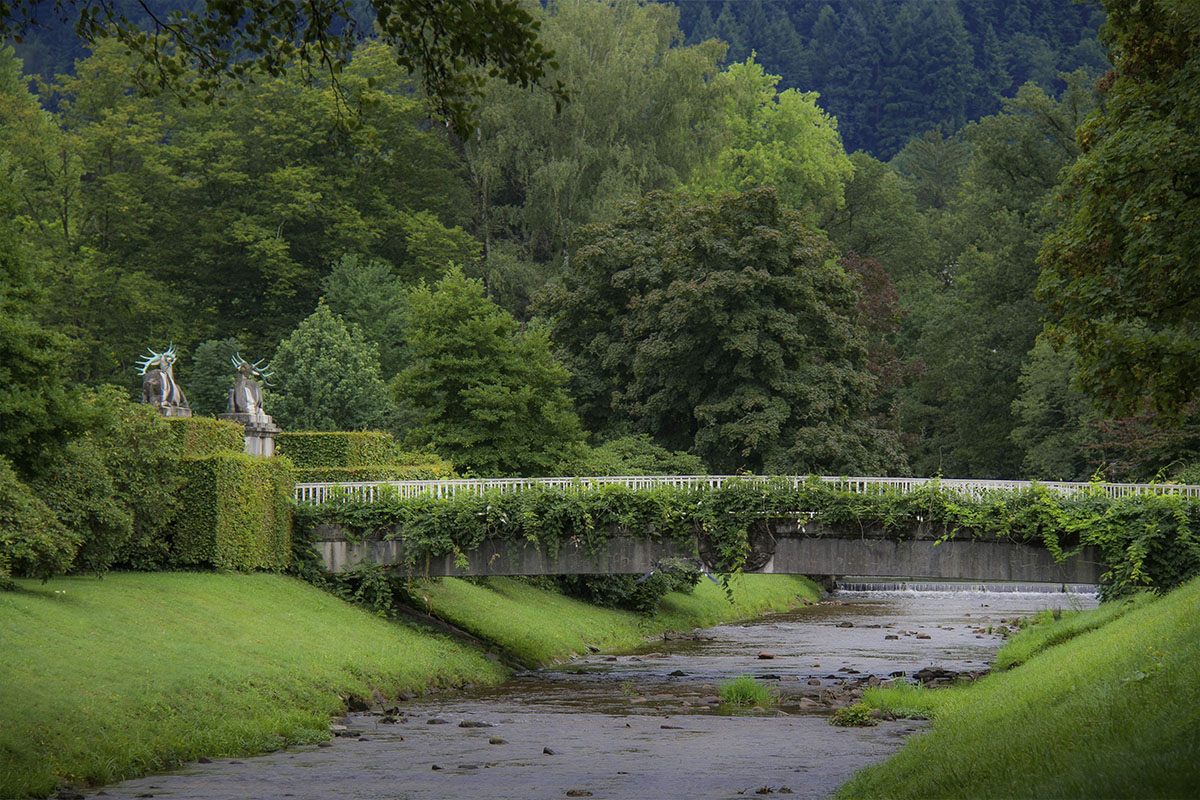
[
  {"x": 452, "y": 44},
  {"x": 783, "y": 140},
  {"x": 35, "y": 408},
  {"x": 641, "y": 116},
  {"x": 327, "y": 378},
  {"x": 1120, "y": 273},
  {"x": 487, "y": 395},
  {"x": 725, "y": 328}
]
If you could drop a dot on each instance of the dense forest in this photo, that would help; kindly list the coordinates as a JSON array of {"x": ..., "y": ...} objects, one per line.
[{"x": 782, "y": 237}]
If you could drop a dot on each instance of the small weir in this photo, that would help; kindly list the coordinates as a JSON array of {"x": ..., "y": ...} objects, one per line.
[
  {"x": 647, "y": 724},
  {"x": 853, "y": 584}
]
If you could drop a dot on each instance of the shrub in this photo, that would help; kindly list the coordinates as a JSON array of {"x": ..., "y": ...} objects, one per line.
[
  {"x": 855, "y": 716},
  {"x": 115, "y": 484},
  {"x": 636, "y": 455},
  {"x": 357, "y": 456},
  {"x": 32, "y": 540}
]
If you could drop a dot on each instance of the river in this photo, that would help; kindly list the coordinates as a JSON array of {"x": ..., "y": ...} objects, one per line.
[{"x": 644, "y": 725}]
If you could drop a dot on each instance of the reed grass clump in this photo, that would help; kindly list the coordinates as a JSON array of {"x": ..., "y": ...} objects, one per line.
[{"x": 746, "y": 691}]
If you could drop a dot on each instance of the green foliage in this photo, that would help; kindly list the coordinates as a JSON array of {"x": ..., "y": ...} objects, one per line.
[
  {"x": 629, "y": 591},
  {"x": 357, "y": 456},
  {"x": 32, "y": 540},
  {"x": 328, "y": 378},
  {"x": 973, "y": 315},
  {"x": 636, "y": 454},
  {"x": 724, "y": 328},
  {"x": 115, "y": 485},
  {"x": 1110, "y": 712},
  {"x": 1118, "y": 271},
  {"x": 775, "y": 139},
  {"x": 426, "y": 468},
  {"x": 746, "y": 691},
  {"x": 35, "y": 409},
  {"x": 903, "y": 700},
  {"x": 642, "y": 113},
  {"x": 855, "y": 716},
  {"x": 879, "y": 220},
  {"x": 309, "y": 449},
  {"x": 1055, "y": 421},
  {"x": 538, "y": 626},
  {"x": 487, "y": 396},
  {"x": 369, "y": 294},
  {"x": 1050, "y": 629},
  {"x": 212, "y": 376},
  {"x": 198, "y": 53},
  {"x": 1146, "y": 541},
  {"x": 196, "y": 437},
  {"x": 234, "y": 513},
  {"x": 890, "y": 70}
]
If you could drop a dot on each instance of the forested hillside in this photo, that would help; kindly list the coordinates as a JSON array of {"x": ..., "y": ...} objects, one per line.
[
  {"x": 893, "y": 69},
  {"x": 783, "y": 237}
]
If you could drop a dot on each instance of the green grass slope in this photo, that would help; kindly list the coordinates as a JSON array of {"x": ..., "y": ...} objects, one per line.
[
  {"x": 1112, "y": 712},
  {"x": 537, "y": 626},
  {"x": 106, "y": 679}
]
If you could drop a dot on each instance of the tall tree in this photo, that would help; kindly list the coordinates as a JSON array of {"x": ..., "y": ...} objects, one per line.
[
  {"x": 725, "y": 328},
  {"x": 1120, "y": 273},
  {"x": 35, "y": 409},
  {"x": 783, "y": 140},
  {"x": 367, "y": 293},
  {"x": 487, "y": 395},
  {"x": 975, "y": 316},
  {"x": 327, "y": 378},
  {"x": 641, "y": 116},
  {"x": 228, "y": 216},
  {"x": 449, "y": 43}
]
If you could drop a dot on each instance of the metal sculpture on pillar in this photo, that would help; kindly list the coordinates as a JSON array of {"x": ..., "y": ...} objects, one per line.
[
  {"x": 158, "y": 385},
  {"x": 245, "y": 406}
]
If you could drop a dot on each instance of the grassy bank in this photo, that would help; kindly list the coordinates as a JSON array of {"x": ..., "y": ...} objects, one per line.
[
  {"x": 102, "y": 680},
  {"x": 537, "y": 626},
  {"x": 1092, "y": 712}
]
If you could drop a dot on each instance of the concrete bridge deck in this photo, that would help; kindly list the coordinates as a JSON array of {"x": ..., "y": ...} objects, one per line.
[{"x": 781, "y": 547}]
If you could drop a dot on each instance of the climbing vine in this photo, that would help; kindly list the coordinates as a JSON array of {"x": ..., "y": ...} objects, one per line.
[{"x": 1146, "y": 542}]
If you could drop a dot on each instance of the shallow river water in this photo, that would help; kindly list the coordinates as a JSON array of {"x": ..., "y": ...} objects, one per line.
[{"x": 644, "y": 725}]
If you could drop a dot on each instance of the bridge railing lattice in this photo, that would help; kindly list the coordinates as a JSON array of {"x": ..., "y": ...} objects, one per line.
[{"x": 371, "y": 491}]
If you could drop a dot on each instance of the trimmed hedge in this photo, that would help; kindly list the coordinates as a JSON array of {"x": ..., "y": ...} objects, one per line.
[
  {"x": 197, "y": 437},
  {"x": 235, "y": 512},
  {"x": 379, "y": 472},
  {"x": 309, "y": 449},
  {"x": 357, "y": 456}
]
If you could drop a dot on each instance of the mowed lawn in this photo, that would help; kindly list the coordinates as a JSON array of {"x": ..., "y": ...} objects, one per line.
[{"x": 106, "y": 679}]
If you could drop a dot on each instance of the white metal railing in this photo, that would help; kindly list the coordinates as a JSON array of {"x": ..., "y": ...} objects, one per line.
[{"x": 370, "y": 491}]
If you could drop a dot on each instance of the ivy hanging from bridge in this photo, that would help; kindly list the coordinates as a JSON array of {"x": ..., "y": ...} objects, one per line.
[{"x": 1146, "y": 541}]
